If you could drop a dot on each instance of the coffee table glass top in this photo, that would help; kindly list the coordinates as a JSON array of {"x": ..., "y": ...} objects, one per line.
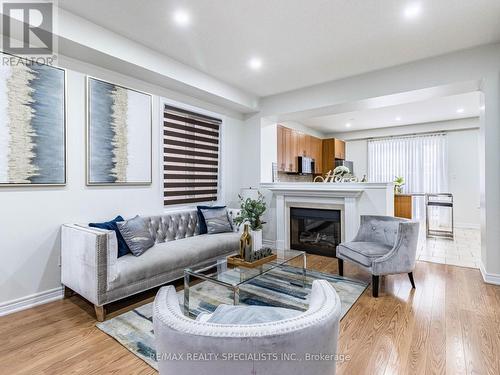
[{"x": 221, "y": 272}]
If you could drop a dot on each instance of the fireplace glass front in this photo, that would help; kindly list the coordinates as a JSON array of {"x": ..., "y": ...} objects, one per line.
[{"x": 315, "y": 231}]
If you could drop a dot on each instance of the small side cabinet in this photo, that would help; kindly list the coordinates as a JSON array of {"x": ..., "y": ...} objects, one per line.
[{"x": 403, "y": 206}]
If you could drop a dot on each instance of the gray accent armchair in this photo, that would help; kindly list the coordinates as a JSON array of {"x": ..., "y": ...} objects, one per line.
[{"x": 384, "y": 245}]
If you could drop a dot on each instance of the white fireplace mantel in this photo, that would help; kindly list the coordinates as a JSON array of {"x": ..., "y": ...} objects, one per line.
[{"x": 352, "y": 199}]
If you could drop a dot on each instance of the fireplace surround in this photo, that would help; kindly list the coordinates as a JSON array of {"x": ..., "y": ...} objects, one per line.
[
  {"x": 352, "y": 199},
  {"x": 315, "y": 231}
]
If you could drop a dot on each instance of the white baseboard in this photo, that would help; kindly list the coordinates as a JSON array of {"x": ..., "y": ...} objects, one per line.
[
  {"x": 467, "y": 226},
  {"x": 489, "y": 278},
  {"x": 33, "y": 300}
]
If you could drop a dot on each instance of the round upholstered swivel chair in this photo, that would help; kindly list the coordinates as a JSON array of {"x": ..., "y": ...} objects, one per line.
[{"x": 264, "y": 348}]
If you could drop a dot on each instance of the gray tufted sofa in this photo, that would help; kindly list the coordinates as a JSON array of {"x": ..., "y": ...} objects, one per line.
[
  {"x": 384, "y": 245},
  {"x": 90, "y": 265}
]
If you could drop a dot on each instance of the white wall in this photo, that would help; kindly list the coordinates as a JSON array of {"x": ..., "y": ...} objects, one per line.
[
  {"x": 31, "y": 217},
  {"x": 478, "y": 66},
  {"x": 357, "y": 152},
  {"x": 463, "y": 176},
  {"x": 463, "y": 170},
  {"x": 269, "y": 144}
]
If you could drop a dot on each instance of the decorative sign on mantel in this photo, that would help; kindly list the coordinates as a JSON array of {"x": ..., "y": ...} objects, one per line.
[{"x": 340, "y": 174}]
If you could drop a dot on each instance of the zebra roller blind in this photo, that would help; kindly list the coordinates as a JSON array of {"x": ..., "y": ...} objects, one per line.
[{"x": 190, "y": 156}]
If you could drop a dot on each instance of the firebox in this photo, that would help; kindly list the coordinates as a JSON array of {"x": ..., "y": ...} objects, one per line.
[{"x": 315, "y": 231}]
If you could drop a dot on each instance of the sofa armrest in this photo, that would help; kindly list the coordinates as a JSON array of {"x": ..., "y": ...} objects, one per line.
[
  {"x": 88, "y": 259},
  {"x": 401, "y": 258}
]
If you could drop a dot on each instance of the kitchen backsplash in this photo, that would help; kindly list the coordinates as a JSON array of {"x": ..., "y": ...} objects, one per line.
[{"x": 285, "y": 177}]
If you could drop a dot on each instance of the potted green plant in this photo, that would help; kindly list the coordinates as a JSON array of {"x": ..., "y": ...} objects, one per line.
[
  {"x": 399, "y": 182},
  {"x": 251, "y": 213}
]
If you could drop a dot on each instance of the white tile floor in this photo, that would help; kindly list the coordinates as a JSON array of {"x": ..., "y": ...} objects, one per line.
[{"x": 464, "y": 250}]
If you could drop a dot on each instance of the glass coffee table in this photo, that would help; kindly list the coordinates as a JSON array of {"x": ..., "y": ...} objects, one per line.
[{"x": 233, "y": 277}]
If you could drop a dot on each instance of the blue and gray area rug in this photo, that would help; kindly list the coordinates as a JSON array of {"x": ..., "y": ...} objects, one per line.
[{"x": 280, "y": 287}]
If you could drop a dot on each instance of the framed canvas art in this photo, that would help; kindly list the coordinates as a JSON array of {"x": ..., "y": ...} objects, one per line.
[
  {"x": 32, "y": 123},
  {"x": 119, "y": 122}
]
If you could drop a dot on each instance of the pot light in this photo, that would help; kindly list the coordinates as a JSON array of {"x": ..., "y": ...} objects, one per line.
[
  {"x": 412, "y": 10},
  {"x": 182, "y": 18},
  {"x": 482, "y": 108},
  {"x": 398, "y": 118},
  {"x": 460, "y": 110},
  {"x": 255, "y": 63},
  {"x": 348, "y": 125}
]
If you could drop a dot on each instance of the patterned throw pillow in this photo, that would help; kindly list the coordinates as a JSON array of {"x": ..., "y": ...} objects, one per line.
[
  {"x": 111, "y": 225},
  {"x": 201, "y": 218},
  {"x": 136, "y": 234},
  {"x": 217, "y": 220}
]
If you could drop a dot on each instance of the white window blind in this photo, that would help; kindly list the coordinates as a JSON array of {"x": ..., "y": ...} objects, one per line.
[
  {"x": 422, "y": 160},
  {"x": 191, "y": 156}
]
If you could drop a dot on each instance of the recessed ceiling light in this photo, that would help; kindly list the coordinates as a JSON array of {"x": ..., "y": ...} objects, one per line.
[
  {"x": 255, "y": 63},
  {"x": 398, "y": 118},
  {"x": 182, "y": 18},
  {"x": 348, "y": 125},
  {"x": 412, "y": 10},
  {"x": 482, "y": 108},
  {"x": 460, "y": 110}
]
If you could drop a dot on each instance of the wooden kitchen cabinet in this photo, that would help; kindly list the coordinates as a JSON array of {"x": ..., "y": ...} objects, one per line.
[
  {"x": 281, "y": 148},
  {"x": 288, "y": 153},
  {"x": 328, "y": 155},
  {"x": 285, "y": 149},
  {"x": 316, "y": 154},
  {"x": 339, "y": 149},
  {"x": 332, "y": 149},
  {"x": 308, "y": 146},
  {"x": 294, "y": 150},
  {"x": 292, "y": 143}
]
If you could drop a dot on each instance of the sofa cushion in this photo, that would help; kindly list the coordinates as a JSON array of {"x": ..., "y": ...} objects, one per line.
[
  {"x": 228, "y": 314},
  {"x": 111, "y": 225},
  {"x": 173, "y": 255},
  {"x": 136, "y": 234},
  {"x": 201, "y": 218},
  {"x": 363, "y": 252},
  {"x": 217, "y": 221}
]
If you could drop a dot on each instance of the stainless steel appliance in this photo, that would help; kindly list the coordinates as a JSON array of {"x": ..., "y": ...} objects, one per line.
[
  {"x": 305, "y": 165},
  {"x": 345, "y": 163}
]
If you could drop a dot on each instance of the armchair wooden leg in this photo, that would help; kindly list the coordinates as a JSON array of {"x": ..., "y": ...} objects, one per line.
[
  {"x": 100, "y": 313},
  {"x": 67, "y": 292},
  {"x": 341, "y": 266},
  {"x": 375, "y": 280},
  {"x": 412, "y": 281}
]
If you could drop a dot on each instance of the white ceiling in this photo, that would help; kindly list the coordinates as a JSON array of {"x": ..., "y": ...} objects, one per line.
[
  {"x": 301, "y": 42},
  {"x": 436, "y": 109}
]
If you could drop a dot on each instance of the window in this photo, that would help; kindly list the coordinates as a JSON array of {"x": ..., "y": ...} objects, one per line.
[
  {"x": 422, "y": 160},
  {"x": 190, "y": 156}
]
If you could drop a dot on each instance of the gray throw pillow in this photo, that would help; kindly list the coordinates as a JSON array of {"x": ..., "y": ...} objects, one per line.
[
  {"x": 136, "y": 234},
  {"x": 217, "y": 220}
]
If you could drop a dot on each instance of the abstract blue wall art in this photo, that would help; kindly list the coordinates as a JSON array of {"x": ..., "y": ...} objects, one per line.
[
  {"x": 118, "y": 135},
  {"x": 32, "y": 124}
]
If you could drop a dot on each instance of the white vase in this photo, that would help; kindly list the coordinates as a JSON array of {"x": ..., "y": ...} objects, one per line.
[{"x": 256, "y": 239}]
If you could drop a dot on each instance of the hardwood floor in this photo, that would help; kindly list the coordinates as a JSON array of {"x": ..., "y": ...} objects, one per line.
[{"x": 449, "y": 324}]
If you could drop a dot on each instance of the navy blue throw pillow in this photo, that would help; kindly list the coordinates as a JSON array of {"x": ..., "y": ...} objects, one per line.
[
  {"x": 111, "y": 225},
  {"x": 201, "y": 218}
]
